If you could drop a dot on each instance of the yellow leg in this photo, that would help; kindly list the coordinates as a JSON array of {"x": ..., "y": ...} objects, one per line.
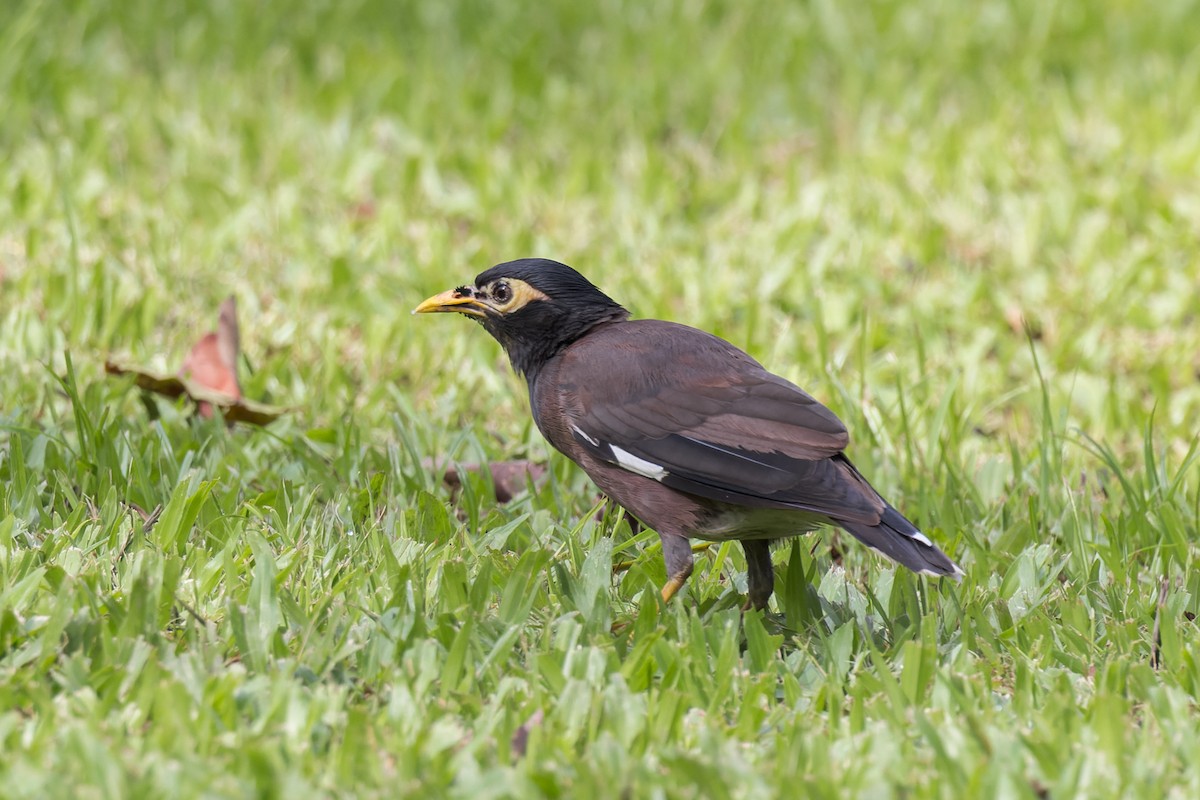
[{"x": 672, "y": 588}]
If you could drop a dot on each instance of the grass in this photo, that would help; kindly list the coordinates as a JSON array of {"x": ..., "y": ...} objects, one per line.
[{"x": 969, "y": 228}]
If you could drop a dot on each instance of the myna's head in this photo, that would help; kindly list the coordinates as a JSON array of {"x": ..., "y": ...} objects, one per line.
[{"x": 533, "y": 306}]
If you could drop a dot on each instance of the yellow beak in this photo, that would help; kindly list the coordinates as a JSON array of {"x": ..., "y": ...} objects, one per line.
[{"x": 452, "y": 301}]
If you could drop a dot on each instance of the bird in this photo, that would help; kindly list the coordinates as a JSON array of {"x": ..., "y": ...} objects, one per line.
[{"x": 688, "y": 433}]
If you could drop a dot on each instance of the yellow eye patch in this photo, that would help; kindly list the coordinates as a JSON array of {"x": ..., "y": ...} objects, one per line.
[{"x": 507, "y": 295}]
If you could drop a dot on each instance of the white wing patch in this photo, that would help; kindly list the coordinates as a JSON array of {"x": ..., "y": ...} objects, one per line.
[
  {"x": 591, "y": 440},
  {"x": 922, "y": 538},
  {"x": 637, "y": 465}
]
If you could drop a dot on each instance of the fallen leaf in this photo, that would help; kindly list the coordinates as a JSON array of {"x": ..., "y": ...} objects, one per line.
[
  {"x": 520, "y": 737},
  {"x": 509, "y": 478},
  {"x": 208, "y": 376},
  {"x": 234, "y": 409},
  {"x": 212, "y": 362}
]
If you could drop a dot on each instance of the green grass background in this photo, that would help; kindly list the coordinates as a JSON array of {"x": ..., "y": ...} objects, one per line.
[{"x": 970, "y": 228}]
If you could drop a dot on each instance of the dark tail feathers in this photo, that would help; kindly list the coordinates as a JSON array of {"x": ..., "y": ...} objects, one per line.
[{"x": 901, "y": 541}]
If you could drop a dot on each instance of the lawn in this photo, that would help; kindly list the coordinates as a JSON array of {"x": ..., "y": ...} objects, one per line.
[{"x": 969, "y": 228}]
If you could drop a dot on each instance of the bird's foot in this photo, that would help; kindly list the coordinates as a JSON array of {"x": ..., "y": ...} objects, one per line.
[
  {"x": 755, "y": 603},
  {"x": 672, "y": 588}
]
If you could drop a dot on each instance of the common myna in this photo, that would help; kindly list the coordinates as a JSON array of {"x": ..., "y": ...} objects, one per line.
[{"x": 685, "y": 431}]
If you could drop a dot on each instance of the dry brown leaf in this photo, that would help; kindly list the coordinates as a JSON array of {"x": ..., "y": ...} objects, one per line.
[
  {"x": 509, "y": 478},
  {"x": 212, "y": 362},
  {"x": 208, "y": 375},
  {"x": 520, "y": 738},
  {"x": 234, "y": 409}
]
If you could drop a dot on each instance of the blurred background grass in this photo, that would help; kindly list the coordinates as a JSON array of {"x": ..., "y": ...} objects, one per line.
[
  {"x": 906, "y": 170},
  {"x": 970, "y": 228}
]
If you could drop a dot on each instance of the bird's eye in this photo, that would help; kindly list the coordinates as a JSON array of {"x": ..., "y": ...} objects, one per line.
[{"x": 501, "y": 292}]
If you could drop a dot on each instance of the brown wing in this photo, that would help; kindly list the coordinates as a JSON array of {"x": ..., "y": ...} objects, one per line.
[{"x": 692, "y": 411}]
